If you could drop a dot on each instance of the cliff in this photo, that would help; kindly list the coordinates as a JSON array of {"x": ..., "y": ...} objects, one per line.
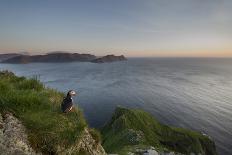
[
  {"x": 109, "y": 58},
  {"x": 31, "y": 121},
  {"x": 132, "y": 130},
  {"x": 13, "y": 137}
]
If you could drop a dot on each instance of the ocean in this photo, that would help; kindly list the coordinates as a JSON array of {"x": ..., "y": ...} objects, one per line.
[{"x": 194, "y": 93}]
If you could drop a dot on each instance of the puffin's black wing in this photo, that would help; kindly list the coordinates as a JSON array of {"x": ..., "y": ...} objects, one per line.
[{"x": 66, "y": 104}]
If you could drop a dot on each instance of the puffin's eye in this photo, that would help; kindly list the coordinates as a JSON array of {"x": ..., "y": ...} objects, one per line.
[{"x": 73, "y": 92}]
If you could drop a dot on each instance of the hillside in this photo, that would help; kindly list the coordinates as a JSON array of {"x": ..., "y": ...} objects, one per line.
[
  {"x": 130, "y": 130},
  {"x": 51, "y": 57},
  {"x": 58, "y": 57},
  {"x": 4, "y": 57},
  {"x": 28, "y": 104}
]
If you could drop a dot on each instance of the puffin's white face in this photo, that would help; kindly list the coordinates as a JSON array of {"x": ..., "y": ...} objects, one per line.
[{"x": 72, "y": 93}]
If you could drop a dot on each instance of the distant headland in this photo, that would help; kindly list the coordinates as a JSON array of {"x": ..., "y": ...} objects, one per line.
[
  {"x": 109, "y": 58},
  {"x": 58, "y": 57}
]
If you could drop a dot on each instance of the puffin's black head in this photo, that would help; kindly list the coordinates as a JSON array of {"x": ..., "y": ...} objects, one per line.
[{"x": 71, "y": 93}]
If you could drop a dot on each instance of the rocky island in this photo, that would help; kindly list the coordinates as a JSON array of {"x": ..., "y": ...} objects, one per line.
[
  {"x": 109, "y": 58},
  {"x": 58, "y": 57},
  {"x": 31, "y": 122}
]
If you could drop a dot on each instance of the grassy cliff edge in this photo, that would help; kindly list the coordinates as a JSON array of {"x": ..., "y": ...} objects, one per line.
[
  {"x": 49, "y": 130},
  {"x": 131, "y": 128}
]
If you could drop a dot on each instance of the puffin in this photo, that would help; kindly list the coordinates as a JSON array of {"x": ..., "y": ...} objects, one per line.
[{"x": 67, "y": 104}]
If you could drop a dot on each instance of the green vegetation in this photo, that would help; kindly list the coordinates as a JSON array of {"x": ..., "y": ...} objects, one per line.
[
  {"x": 129, "y": 129},
  {"x": 39, "y": 110},
  {"x": 49, "y": 129}
]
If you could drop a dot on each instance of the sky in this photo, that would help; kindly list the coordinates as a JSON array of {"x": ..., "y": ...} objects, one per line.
[{"x": 136, "y": 28}]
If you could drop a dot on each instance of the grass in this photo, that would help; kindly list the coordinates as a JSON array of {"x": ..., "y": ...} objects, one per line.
[
  {"x": 39, "y": 110},
  {"x": 130, "y": 128}
]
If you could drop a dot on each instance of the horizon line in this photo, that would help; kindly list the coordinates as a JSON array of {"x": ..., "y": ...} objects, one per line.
[{"x": 172, "y": 56}]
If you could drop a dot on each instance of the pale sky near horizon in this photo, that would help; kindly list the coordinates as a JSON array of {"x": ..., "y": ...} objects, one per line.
[{"x": 129, "y": 27}]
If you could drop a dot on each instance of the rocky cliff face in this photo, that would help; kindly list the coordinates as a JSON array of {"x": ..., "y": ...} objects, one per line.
[
  {"x": 86, "y": 145},
  {"x": 152, "y": 151},
  {"x": 14, "y": 140},
  {"x": 13, "y": 137}
]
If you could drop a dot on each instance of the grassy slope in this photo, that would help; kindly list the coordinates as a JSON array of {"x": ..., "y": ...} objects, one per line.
[
  {"x": 39, "y": 110},
  {"x": 125, "y": 124}
]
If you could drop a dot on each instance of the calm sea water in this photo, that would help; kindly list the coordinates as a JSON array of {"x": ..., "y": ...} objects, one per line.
[{"x": 194, "y": 93}]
